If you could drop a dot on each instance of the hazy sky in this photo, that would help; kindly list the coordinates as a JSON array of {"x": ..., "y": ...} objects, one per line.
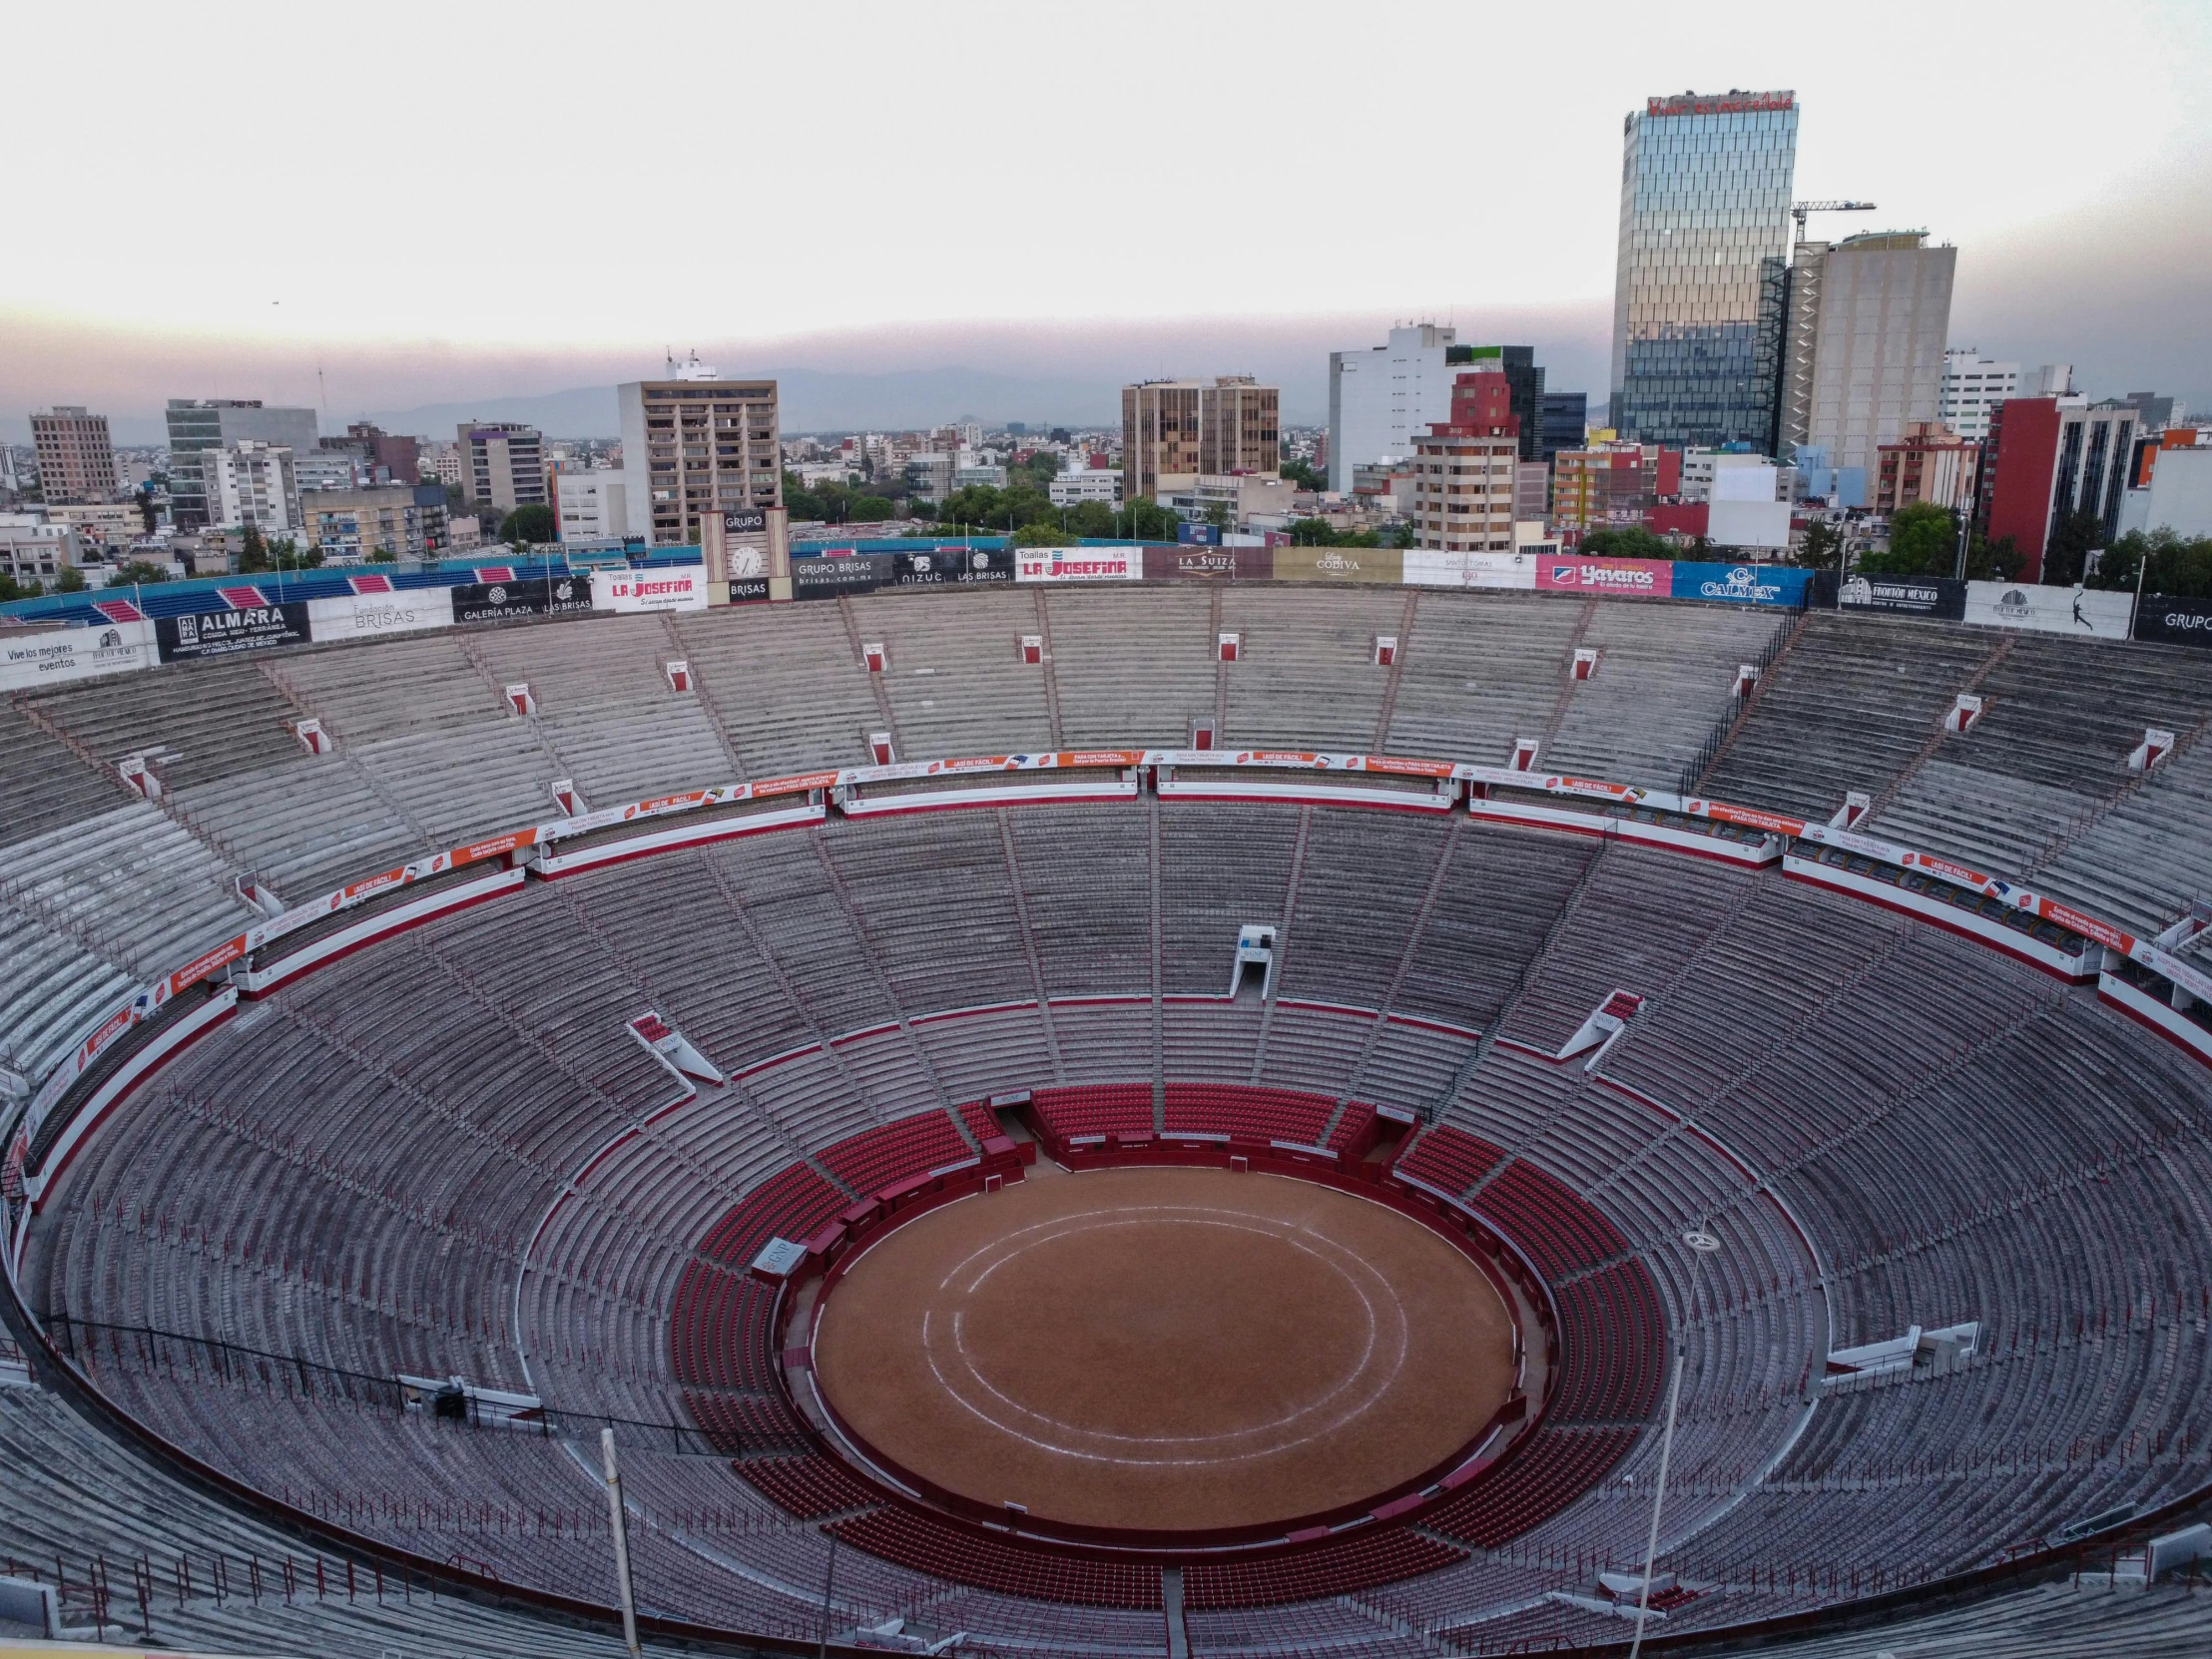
[{"x": 469, "y": 202}]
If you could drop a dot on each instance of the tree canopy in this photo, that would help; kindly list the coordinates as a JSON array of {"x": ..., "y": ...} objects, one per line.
[
  {"x": 1631, "y": 541},
  {"x": 528, "y": 525},
  {"x": 1303, "y": 475},
  {"x": 2177, "y": 565}
]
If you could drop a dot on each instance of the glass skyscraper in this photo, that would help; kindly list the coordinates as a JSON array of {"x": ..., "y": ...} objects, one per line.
[{"x": 1701, "y": 292}]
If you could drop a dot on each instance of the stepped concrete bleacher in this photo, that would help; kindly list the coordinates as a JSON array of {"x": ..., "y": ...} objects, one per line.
[{"x": 382, "y": 1167}]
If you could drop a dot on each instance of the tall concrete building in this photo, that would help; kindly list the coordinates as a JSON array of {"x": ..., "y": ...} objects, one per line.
[
  {"x": 1704, "y": 247},
  {"x": 1466, "y": 468},
  {"x": 1974, "y": 386},
  {"x": 1863, "y": 358},
  {"x": 1174, "y": 430},
  {"x": 694, "y": 445},
  {"x": 251, "y": 485},
  {"x": 197, "y": 426},
  {"x": 1381, "y": 399},
  {"x": 502, "y": 464},
  {"x": 76, "y": 457}
]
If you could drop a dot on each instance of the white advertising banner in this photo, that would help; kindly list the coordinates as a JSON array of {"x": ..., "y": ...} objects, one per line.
[
  {"x": 1079, "y": 564},
  {"x": 2090, "y": 612},
  {"x": 1731, "y": 523},
  {"x": 681, "y": 589},
  {"x": 1431, "y": 568},
  {"x": 48, "y": 655},
  {"x": 368, "y": 616}
]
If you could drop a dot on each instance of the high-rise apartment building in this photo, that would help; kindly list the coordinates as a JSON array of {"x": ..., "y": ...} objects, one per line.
[
  {"x": 250, "y": 486},
  {"x": 1467, "y": 467},
  {"x": 197, "y": 426},
  {"x": 1174, "y": 430},
  {"x": 1611, "y": 485},
  {"x": 502, "y": 464},
  {"x": 592, "y": 506},
  {"x": 695, "y": 444},
  {"x": 406, "y": 521},
  {"x": 2049, "y": 458},
  {"x": 76, "y": 457},
  {"x": 1702, "y": 266},
  {"x": 1974, "y": 386},
  {"x": 1863, "y": 359}
]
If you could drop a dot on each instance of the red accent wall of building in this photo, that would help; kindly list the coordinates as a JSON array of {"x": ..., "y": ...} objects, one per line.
[
  {"x": 1482, "y": 405},
  {"x": 2024, "y": 458}
]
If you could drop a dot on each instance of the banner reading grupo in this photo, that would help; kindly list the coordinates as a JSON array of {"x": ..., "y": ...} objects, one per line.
[
  {"x": 681, "y": 589},
  {"x": 825, "y": 576},
  {"x": 48, "y": 656},
  {"x": 2172, "y": 621}
]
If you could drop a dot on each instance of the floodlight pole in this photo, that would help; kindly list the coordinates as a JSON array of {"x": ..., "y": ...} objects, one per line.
[
  {"x": 828, "y": 1583},
  {"x": 620, "y": 1521},
  {"x": 1702, "y": 1244}
]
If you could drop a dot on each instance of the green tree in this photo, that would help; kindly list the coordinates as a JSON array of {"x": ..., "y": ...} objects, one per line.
[
  {"x": 2170, "y": 564},
  {"x": 1042, "y": 534},
  {"x": 1631, "y": 542},
  {"x": 1218, "y": 515},
  {"x": 1319, "y": 532},
  {"x": 10, "y": 587},
  {"x": 801, "y": 502},
  {"x": 253, "y": 553},
  {"x": 1303, "y": 475},
  {"x": 1822, "y": 546},
  {"x": 1043, "y": 467},
  {"x": 1994, "y": 561},
  {"x": 2068, "y": 548},
  {"x": 71, "y": 580},
  {"x": 139, "y": 572},
  {"x": 1092, "y": 519},
  {"x": 1924, "y": 541},
  {"x": 526, "y": 526}
]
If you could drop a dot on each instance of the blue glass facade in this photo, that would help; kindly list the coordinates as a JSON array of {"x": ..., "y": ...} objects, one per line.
[{"x": 1704, "y": 243}]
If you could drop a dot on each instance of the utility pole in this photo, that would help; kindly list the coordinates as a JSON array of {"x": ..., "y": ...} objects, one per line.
[
  {"x": 1702, "y": 1244},
  {"x": 828, "y": 1583},
  {"x": 620, "y": 1520}
]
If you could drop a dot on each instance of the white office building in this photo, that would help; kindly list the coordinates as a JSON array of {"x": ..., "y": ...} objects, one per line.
[
  {"x": 1974, "y": 386},
  {"x": 1381, "y": 400},
  {"x": 591, "y": 506},
  {"x": 1090, "y": 483}
]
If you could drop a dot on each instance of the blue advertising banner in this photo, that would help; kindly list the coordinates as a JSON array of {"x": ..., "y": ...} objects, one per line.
[
  {"x": 1198, "y": 535},
  {"x": 1745, "y": 584}
]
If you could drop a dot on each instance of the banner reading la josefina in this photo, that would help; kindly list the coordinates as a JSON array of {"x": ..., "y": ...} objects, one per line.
[{"x": 683, "y": 588}]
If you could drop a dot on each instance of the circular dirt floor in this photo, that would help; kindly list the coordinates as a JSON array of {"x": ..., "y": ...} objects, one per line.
[{"x": 1166, "y": 1349}]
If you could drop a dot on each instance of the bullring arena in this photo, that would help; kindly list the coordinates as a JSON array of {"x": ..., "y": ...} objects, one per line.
[{"x": 1116, "y": 1197}]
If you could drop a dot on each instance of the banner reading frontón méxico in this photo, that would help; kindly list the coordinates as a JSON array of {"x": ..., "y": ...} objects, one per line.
[
  {"x": 364, "y": 616},
  {"x": 225, "y": 633},
  {"x": 1078, "y": 564},
  {"x": 2171, "y": 621},
  {"x": 649, "y": 590},
  {"x": 1744, "y": 584},
  {"x": 1626, "y": 578},
  {"x": 48, "y": 656},
  {"x": 2090, "y": 612},
  {"x": 1929, "y": 596}
]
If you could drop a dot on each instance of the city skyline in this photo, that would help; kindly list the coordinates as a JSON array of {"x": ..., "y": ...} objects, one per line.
[{"x": 837, "y": 271}]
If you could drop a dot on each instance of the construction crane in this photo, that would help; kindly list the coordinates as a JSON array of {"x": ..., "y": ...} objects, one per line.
[{"x": 1798, "y": 210}]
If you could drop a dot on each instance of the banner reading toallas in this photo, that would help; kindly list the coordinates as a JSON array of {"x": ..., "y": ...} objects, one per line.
[
  {"x": 1078, "y": 564},
  {"x": 48, "y": 656},
  {"x": 1627, "y": 578},
  {"x": 679, "y": 589}
]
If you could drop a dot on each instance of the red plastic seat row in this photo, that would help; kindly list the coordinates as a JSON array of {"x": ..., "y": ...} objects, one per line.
[
  {"x": 718, "y": 1329},
  {"x": 1558, "y": 1228},
  {"x": 1244, "y": 1109},
  {"x": 923, "y": 1544},
  {"x": 791, "y": 1204},
  {"x": 871, "y": 1161},
  {"x": 1095, "y": 1108},
  {"x": 1554, "y": 1469},
  {"x": 809, "y": 1487},
  {"x": 737, "y": 1424},
  {"x": 1448, "y": 1159},
  {"x": 1332, "y": 1568},
  {"x": 1613, "y": 1342}
]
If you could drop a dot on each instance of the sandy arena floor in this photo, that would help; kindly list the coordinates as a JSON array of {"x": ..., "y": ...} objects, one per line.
[{"x": 1165, "y": 1348}]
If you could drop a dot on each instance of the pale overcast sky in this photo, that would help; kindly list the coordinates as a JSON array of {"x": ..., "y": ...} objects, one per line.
[{"x": 469, "y": 200}]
